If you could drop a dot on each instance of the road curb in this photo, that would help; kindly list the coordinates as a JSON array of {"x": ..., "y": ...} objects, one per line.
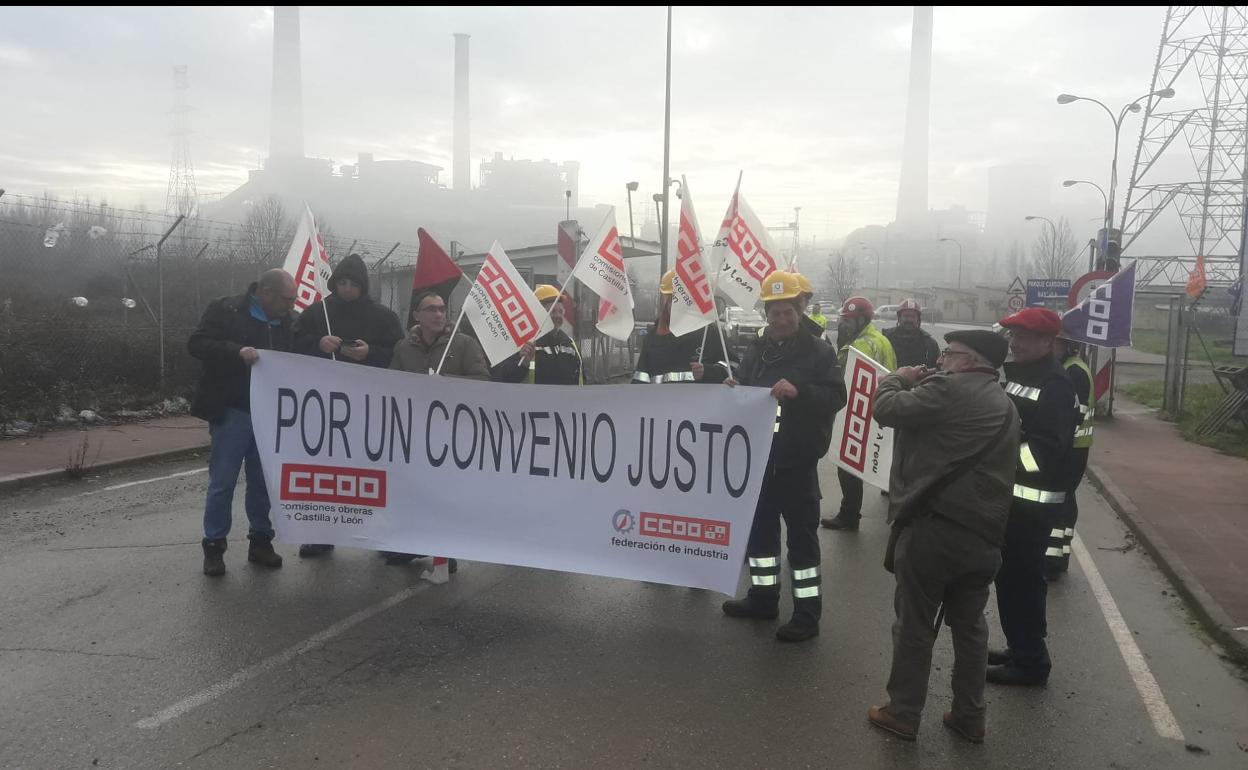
[
  {"x": 20, "y": 480},
  {"x": 1206, "y": 609}
]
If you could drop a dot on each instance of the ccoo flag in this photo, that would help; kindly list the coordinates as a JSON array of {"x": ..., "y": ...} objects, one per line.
[
  {"x": 503, "y": 309},
  {"x": 693, "y": 302},
  {"x": 743, "y": 254},
  {"x": 1104, "y": 318},
  {"x": 601, "y": 269},
  {"x": 308, "y": 262}
]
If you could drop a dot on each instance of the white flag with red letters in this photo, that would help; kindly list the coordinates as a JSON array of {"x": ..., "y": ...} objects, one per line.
[
  {"x": 601, "y": 269},
  {"x": 503, "y": 309},
  {"x": 308, "y": 262},
  {"x": 743, "y": 254},
  {"x": 859, "y": 444},
  {"x": 693, "y": 301}
]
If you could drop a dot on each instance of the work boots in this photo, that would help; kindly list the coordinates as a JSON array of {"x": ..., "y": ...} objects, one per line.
[
  {"x": 840, "y": 521},
  {"x": 798, "y": 629},
  {"x": 214, "y": 557},
  {"x": 754, "y": 605},
  {"x": 260, "y": 550}
]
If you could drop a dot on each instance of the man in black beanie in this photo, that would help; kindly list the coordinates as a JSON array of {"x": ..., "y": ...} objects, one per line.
[{"x": 358, "y": 331}]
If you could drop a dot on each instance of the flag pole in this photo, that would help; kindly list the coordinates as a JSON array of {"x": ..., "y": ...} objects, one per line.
[
  {"x": 715, "y": 292},
  {"x": 455, "y": 328}
]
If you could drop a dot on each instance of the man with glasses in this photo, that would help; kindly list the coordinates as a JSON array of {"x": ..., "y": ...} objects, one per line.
[
  {"x": 358, "y": 331},
  {"x": 421, "y": 353},
  {"x": 1045, "y": 398},
  {"x": 228, "y": 339},
  {"x": 950, "y": 488}
]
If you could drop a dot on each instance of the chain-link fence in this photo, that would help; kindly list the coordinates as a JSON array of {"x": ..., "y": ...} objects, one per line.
[{"x": 87, "y": 288}]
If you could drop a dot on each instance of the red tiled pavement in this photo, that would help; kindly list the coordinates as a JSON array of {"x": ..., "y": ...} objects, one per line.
[
  {"x": 52, "y": 452},
  {"x": 1191, "y": 499}
]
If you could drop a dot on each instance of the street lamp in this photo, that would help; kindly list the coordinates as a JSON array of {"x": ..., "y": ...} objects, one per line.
[
  {"x": 1053, "y": 230},
  {"x": 876, "y": 253},
  {"x": 959, "y": 245},
  {"x": 1104, "y": 199},
  {"x": 658, "y": 214},
  {"x": 1164, "y": 93},
  {"x": 631, "y": 187}
]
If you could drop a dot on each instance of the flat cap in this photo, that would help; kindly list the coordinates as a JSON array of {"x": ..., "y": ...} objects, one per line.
[{"x": 990, "y": 345}]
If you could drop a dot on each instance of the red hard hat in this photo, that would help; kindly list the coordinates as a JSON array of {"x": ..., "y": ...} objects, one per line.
[
  {"x": 909, "y": 304},
  {"x": 859, "y": 307},
  {"x": 1035, "y": 319}
]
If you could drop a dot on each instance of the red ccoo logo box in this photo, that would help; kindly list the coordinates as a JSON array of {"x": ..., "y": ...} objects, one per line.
[
  {"x": 329, "y": 484},
  {"x": 685, "y": 528}
]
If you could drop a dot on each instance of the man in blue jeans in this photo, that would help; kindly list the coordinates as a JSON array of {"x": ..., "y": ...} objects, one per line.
[{"x": 227, "y": 340}]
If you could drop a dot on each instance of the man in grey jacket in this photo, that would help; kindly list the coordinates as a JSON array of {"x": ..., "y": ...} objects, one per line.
[{"x": 949, "y": 496}]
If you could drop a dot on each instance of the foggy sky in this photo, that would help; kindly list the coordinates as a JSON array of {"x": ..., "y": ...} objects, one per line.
[{"x": 809, "y": 102}]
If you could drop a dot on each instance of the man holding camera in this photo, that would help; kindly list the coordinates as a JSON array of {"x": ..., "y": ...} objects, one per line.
[{"x": 358, "y": 331}]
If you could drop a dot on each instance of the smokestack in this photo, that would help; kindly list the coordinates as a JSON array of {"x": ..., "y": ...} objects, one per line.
[
  {"x": 912, "y": 192},
  {"x": 461, "y": 160},
  {"x": 286, "y": 120}
]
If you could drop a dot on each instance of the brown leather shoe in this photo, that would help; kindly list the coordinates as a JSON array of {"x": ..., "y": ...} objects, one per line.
[
  {"x": 877, "y": 716},
  {"x": 964, "y": 728}
]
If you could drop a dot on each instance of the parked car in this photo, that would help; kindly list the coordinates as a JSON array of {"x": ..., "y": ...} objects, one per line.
[{"x": 740, "y": 326}]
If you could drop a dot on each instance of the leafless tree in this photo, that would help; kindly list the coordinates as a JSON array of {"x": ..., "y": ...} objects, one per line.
[
  {"x": 845, "y": 274},
  {"x": 265, "y": 232},
  {"x": 1054, "y": 253}
]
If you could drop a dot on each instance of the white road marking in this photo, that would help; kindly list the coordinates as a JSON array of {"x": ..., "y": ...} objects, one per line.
[
  {"x": 251, "y": 672},
  {"x": 144, "y": 481},
  {"x": 1163, "y": 719}
]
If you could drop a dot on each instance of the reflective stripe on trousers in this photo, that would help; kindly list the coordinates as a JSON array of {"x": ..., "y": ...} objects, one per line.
[
  {"x": 806, "y": 583},
  {"x": 765, "y": 570}
]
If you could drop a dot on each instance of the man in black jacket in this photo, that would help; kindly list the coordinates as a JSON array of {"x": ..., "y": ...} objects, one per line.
[
  {"x": 913, "y": 346},
  {"x": 228, "y": 339},
  {"x": 667, "y": 358},
  {"x": 359, "y": 331},
  {"x": 1045, "y": 399},
  {"x": 802, "y": 372},
  {"x": 552, "y": 359}
]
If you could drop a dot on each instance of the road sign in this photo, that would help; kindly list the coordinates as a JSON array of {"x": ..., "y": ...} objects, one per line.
[
  {"x": 1016, "y": 295},
  {"x": 1043, "y": 292}
]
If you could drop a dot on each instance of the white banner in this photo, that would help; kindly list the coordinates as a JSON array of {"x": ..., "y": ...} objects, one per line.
[
  {"x": 308, "y": 262},
  {"x": 693, "y": 301},
  {"x": 859, "y": 444},
  {"x": 655, "y": 484},
  {"x": 503, "y": 309},
  {"x": 601, "y": 269},
  {"x": 743, "y": 254}
]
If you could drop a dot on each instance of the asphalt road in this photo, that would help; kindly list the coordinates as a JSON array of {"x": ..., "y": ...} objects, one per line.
[{"x": 116, "y": 652}]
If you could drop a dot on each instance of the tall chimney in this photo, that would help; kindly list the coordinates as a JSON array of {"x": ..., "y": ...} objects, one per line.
[
  {"x": 286, "y": 120},
  {"x": 912, "y": 192},
  {"x": 461, "y": 160}
]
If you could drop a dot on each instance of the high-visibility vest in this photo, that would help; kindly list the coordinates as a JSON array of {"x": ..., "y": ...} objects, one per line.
[{"x": 1083, "y": 435}]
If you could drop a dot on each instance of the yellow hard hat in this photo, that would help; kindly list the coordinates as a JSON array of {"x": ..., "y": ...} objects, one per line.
[
  {"x": 665, "y": 283},
  {"x": 804, "y": 282},
  {"x": 781, "y": 285},
  {"x": 546, "y": 292}
]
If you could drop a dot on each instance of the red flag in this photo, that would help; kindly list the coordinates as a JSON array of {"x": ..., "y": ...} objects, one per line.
[
  {"x": 1196, "y": 279},
  {"x": 435, "y": 271}
]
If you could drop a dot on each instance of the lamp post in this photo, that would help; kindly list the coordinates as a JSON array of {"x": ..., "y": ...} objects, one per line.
[
  {"x": 1052, "y": 230},
  {"x": 1164, "y": 93},
  {"x": 631, "y": 187},
  {"x": 1105, "y": 199},
  {"x": 955, "y": 242},
  {"x": 876, "y": 254}
]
